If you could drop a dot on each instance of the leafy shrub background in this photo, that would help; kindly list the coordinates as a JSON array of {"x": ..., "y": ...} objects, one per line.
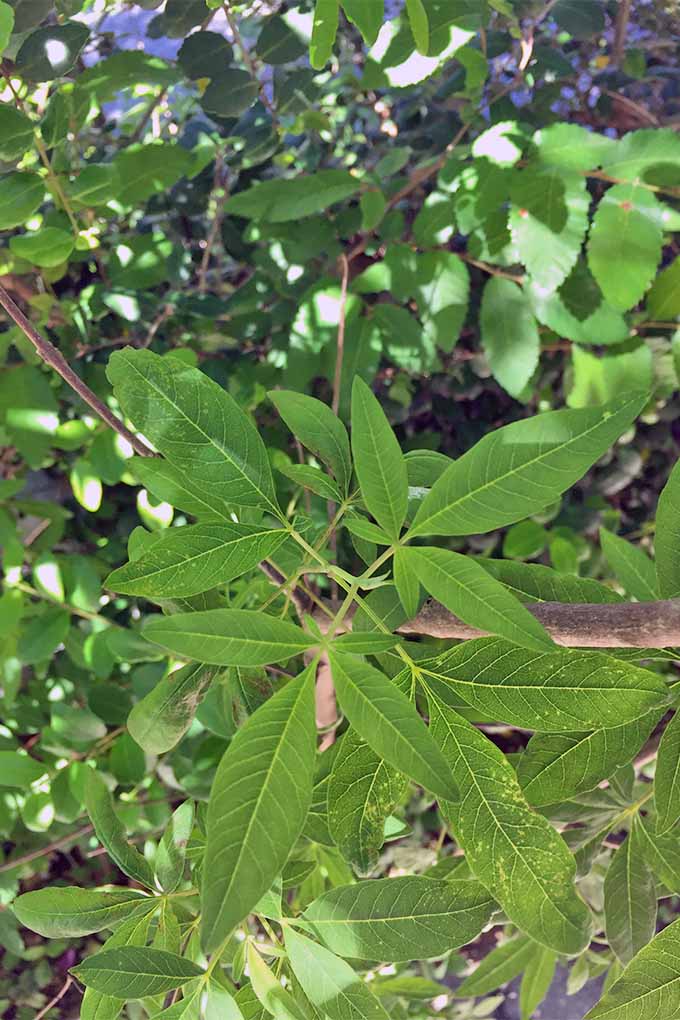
[{"x": 476, "y": 205}]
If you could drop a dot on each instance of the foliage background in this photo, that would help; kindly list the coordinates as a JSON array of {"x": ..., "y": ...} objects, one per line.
[{"x": 126, "y": 166}]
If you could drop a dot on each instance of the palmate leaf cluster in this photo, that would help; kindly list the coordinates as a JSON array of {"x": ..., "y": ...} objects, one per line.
[{"x": 163, "y": 680}]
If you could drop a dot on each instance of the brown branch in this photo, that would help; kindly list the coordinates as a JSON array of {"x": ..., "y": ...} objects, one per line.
[
  {"x": 248, "y": 60},
  {"x": 573, "y": 625},
  {"x": 620, "y": 31},
  {"x": 56, "y": 360},
  {"x": 53, "y": 1002},
  {"x": 220, "y": 193}
]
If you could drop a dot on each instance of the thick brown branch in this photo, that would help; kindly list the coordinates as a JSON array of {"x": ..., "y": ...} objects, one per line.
[
  {"x": 56, "y": 360},
  {"x": 574, "y": 625}
]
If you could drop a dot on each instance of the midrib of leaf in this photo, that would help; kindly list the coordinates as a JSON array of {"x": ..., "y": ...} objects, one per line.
[
  {"x": 417, "y": 529},
  {"x": 220, "y": 449},
  {"x": 242, "y": 640},
  {"x": 500, "y": 827},
  {"x": 383, "y": 477},
  {"x": 209, "y": 552},
  {"x": 263, "y": 788}
]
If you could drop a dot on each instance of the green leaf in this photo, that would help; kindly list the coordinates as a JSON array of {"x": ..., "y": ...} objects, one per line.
[
  {"x": 650, "y": 984},
  {"x": 278, "y": 44},
  {"x": 171, "y": 853},
  {"x": 324, "y": 30},
  {"x": 390, "y": 724},
  {"x": 313, "y": 479},
  {"x": 19, "y": 770},
  {"x": 549, "y": 691},
  {"x": 373, "y": 205},
  {"x": 329, "y": 983},
  {"x": 96, "y": 1005},
  {"x": 68, "y": 911},
  {"x": 639, "y": 152},
  {"x": 468, "y": 591},
  {"x": 229, "y": 637},
  {"x": 162, "y": 717},
  {"x": 111, "y": 833},
  {"x": 629, "y": 901},
  {"x": 667, "y": 777},
  {"x": 537, "y": 979},
  {"x": 51, "y": 52},
  {"x": 514, "y": 852},
  {"x": 258, "y": 804},
  {"x": 624, "y": 247},
  {"x": 663, "y": 298},
  {"x": 406, "y": 581},
  {"x": 572, "y": 147},
  {"x": 509, "y": 334},
  {"x": 170, "y": 485},
  {"x": 442, "y": 293},
  {"x": 149, "y": 169},
  {"x": 368, "y": 18},
  {"x": 362, "y": 791},
  {"x": 667, "y": 537},
  {"x": 281, "y": 201},
  {"x": 270, "y": 992},
  {"x": 417, "y": 16},
  {"x": 532, "y": 582},
  {"x": 196, "y": 424},
  {"x": 132, "y": 972},
  {"x": 521, "y": 468},
  {"x": 501, "y": 965},
  {"x": 21, "y": 193},
  {"x": 96, "y": 184},
  {"x": 230, "y": 93},
  {"x": 204, "y": 55},
  {"x": 555, "y": 767},
  {"x": 662, "y": 853},
  {"x": 549, "y": 213},
  {"x": 631, "y": 566},
  {"x": 365, "y": 643},
  {"x": 6, "y": 24},
  {"x": 187, "y": 561},
  {"x": 16, "y": 130},
  {"x": 399, "y": 919},
  {"x": 366, "y": 529},
  {"x": 378, "y": 461},
  {"x": 317, "y": 428}
]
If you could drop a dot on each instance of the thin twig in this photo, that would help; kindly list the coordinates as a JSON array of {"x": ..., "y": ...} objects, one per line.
[
  {"x": 219, "y": 191},
  {"x": 146, "y": 116},
  {"x": 45, "y": 851},
  {"x": 164, "y": 314},
  {"x": 53, "y": 1002},
  {"x": 620, "y": 31},
  {"x": 248, "y": 60},
  {"x": 56, "y": 360},
  {"x": 491, "y": 270}
]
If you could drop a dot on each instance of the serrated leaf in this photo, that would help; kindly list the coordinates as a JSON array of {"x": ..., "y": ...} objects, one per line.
[
  {"x": 283, "y": 200},
  {"x": 228, "y": 637},
  {"x": 667, "y": 537},
  {"x": 390, "y": 724},
  {"x": 549, "y": 691},
  {"x": 572, "y": 147},
  {"x": 629, "y": 901},
  {"x": 667, "y": 777},
  {"x": 509, "y": 334},
  {"x": 188, "y": 561},
  {"x": 111, "y": 833},
  {"x": 317, "y": 428},
  {"x": 649, "y": 986},
  {"x": 132, "y": 972},
  {"x": 378, "y": 461},
  {"x": 501, "y": 965},
  {"x": 549, "y": 213},
  {"x": 399, "y": 919},
  {"x": 329, "y": 983},
  {"x": 163, "y": 716},
  {"x": 555, "y": 767},
  {"x": 69, "y": 911},
  {"x": 624, "y": 247},
  {"x": 632, "y": 567},
  {"x": 514, "y": 852},
  {"x": 258, "y": 804},
  {"x": 520, "y": 469},
  {"x": 362, "y": 791},
  {"x": 468, "y": 591},
  {"x": 196, "y": 424}
]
